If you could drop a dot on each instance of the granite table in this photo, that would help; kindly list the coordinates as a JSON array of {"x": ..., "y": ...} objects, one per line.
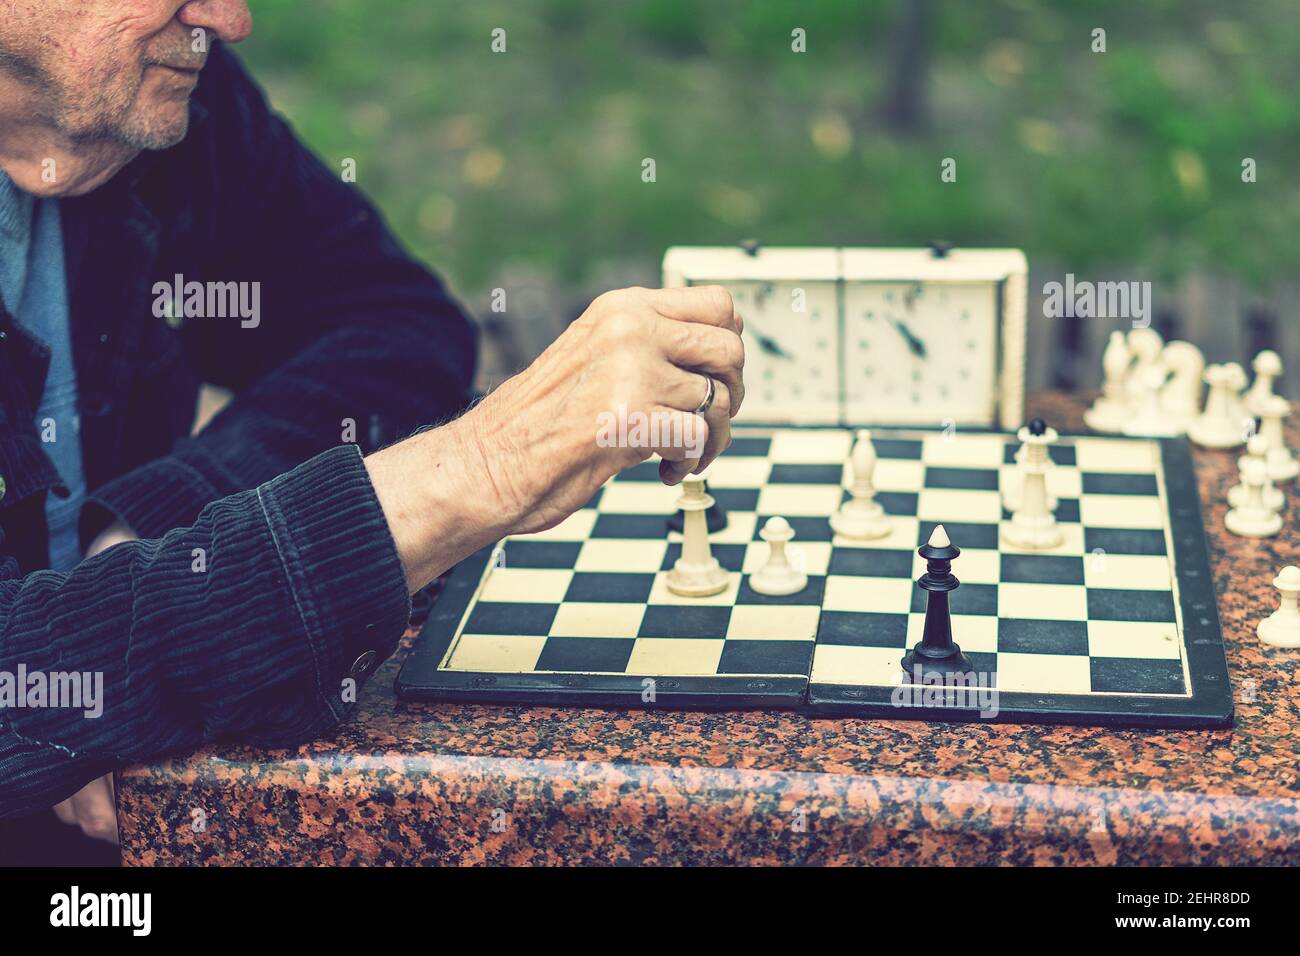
[{"x": 465, "y": 784}]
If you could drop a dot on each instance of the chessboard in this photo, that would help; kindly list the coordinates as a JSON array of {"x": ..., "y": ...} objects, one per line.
[{"x": 1117, "y": 625}]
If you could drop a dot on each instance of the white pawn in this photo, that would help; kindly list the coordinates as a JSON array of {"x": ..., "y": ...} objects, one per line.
[
  {"x": 697, "y": 572},
  {"x": 1032, "y": 525},
  {"x": 1014, "y": 481},
  {"x": 1282, "y": 465},
  {"x": 862, "y": 517},
  {"x": 1222, "y": 425},
  {"x": 1268, "y": 368},
  {"x": 1253, "y": 518},
  {"x": 1256, "y": 449},
  {"x": 1282, "y": 627},
  {"x": 1109, "y": 412},
  {"x": 777, "y": 576},
  {"x": 1237, "y": 381}
]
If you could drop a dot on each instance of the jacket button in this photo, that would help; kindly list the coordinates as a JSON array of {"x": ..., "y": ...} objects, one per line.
[{"x": 363, "y": 663}]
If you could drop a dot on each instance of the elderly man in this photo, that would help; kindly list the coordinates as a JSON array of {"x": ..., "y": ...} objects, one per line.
[{"x": 238, "y": 584}]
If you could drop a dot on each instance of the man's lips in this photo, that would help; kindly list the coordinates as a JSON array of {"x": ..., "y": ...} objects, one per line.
[{"x": 191, "y": 70}]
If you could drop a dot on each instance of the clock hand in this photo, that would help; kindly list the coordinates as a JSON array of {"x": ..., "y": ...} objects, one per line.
[
  {"x": 768, "y": 344},
  {"x": 916, "y": 345}
]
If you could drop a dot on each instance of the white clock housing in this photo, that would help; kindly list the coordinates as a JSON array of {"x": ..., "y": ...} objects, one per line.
[{"x": 855, "y": 336}]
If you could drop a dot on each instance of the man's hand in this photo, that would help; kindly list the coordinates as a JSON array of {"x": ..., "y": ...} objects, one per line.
[
  {"x": 628, "y": 354},
  {"x": 116, "y": 533},
  {"x": 528, "y": 455},
  {"x": 92, "y": 807}
]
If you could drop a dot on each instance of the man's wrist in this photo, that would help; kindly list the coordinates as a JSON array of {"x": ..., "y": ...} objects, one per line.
[{"x": 438, "y": 497}]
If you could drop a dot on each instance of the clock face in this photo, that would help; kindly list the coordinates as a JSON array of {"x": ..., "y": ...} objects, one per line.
[
  {"x": 866, "y": 336},
  {"x": 921, "y": 353},
  {"x": 791, "y": 350}
]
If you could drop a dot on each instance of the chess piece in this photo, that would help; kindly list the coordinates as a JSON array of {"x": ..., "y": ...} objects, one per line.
[
  {"x": 937, "y": 656},
  {"x": 1149, "y": 418},
  {"x": 1237, "y": 382},
  {"x": 697, "y": 572},
  {"x": 1110, "y": 411},
  {"x": 1282, "y": 627},
  {"x": 1032, "y": 525},
  {"x": 1223, "y": 423},
  {"x": 1282, "y": 465},
  {"x": 1015, "y": 483},
  {"x": 1253, "y": 518},
  {"x": 862, "y": 517},
  {"x": 715, "y": 517},
  {"x": 1181, "y": 397},
  {"x": 777, "y": 576},
  {"x": 1147, "y": 348},
  {"x": 1257, "y": 449},
  {"x": 1268, "y": 368}
]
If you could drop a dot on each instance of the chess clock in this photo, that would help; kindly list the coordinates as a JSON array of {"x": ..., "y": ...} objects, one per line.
[{"x": 854, "y": 336}]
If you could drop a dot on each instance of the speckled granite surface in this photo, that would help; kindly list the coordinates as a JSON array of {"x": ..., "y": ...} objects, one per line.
[{"x": 430, "y": 783}]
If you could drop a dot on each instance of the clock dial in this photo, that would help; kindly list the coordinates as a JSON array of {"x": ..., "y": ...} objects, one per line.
[
  {"x": 791, "y": 347},
  {"x": 862, "y": 336},
  {"x": 920, "y": 352}
]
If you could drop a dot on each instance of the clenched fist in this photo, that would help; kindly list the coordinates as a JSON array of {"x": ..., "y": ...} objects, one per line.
[{"x": 623, "y": 382}]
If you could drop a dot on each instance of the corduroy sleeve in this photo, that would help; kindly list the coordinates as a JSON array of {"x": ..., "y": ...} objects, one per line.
[{"x": 252, "y": 624}]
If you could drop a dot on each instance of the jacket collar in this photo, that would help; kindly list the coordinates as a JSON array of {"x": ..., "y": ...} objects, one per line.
[{"x": 127, "y": 195}]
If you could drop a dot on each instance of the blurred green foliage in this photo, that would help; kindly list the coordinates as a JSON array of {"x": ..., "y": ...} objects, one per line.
[{"x": 1128, "y": 158}]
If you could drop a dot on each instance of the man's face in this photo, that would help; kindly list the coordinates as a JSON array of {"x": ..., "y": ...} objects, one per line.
[{"x": 119, "y": 70}]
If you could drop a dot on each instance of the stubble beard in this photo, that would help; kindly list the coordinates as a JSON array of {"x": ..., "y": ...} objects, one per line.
[
  {"x": 110, "y": 113},
  {"x": 118, "y": 115}
]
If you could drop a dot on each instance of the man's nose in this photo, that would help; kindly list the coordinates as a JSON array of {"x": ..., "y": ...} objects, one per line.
[{"x": 230, "y": 20}]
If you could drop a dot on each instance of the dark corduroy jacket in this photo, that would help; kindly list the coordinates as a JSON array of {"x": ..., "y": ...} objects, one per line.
[{"x": 265, "y": 584}]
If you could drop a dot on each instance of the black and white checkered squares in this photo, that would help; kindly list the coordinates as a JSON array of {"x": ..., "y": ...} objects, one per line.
[{"x": 1096, "y": 616}]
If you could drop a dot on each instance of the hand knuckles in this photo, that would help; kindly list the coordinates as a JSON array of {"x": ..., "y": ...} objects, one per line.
[
  {"x": 620, "y": 327},
  {"x": 722, "y": 399},
  {"x": 98, "y": 827},
  {"x": 600, "y": 304},
  {"x": 734, "y": 351},
  {"x": 696, "y": 431},
  {"x": 718, "y": 297},
  {"x": 628, "y": 298}
]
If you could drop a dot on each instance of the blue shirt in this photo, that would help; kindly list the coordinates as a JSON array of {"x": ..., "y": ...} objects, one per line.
[{"x": 34, "y": 289}]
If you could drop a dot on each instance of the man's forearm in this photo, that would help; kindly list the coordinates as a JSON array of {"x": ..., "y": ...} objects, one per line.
[
  {"x": 246, "y": 625},
  {"x": 435, "y": 490},
  {"x": 243, "y": 624}
]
